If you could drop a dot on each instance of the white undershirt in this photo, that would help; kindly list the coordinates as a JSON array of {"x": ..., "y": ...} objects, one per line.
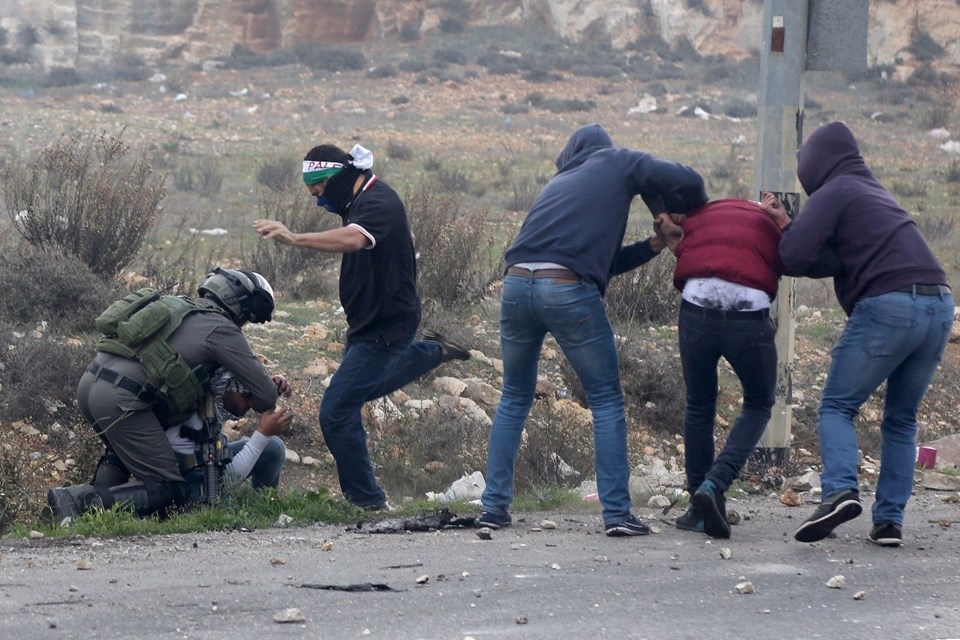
[{"x": 714, "y": 293}]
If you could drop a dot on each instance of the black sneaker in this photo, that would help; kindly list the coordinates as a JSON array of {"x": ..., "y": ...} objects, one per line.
[
  {"x": 629, "y": 526},
  {"x": 450, "y": 350},
  {"x": 692, "y": 520},
  {"x": 493, "y": 520},
  {"x": 712, "y": 504},
  {"x": 832, "y": 512},
  {"x": 886, "y": 534}
]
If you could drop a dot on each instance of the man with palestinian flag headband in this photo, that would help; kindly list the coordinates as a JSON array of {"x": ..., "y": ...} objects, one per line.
[{"x": 378, "y": 291}]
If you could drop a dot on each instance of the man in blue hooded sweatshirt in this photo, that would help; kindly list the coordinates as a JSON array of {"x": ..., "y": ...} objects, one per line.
[
  {"x": 899, "y": 310},
  {"x": 557, "y": 272}
]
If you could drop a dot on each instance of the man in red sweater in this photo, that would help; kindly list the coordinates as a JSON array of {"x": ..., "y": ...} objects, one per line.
[{"x": 728, "y": 271}]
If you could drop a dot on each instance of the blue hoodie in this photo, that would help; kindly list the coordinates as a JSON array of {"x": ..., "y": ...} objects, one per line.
[
  {"x": 580, "y": 217},
  {"x": 849, "y": 211}
]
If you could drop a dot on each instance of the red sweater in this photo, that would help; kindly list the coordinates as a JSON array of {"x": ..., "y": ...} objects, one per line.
[{"x": 730, "y": 239}]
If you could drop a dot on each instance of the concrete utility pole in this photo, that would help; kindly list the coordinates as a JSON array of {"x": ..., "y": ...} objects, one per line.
[{"x": 797, "y": 35}]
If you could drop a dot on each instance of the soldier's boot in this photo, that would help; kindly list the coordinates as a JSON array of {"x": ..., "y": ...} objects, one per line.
[
  {"x": 148, "y": 498},
  {"x": 68, "y": 502}
]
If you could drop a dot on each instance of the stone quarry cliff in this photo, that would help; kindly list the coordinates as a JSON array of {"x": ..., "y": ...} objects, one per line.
[{"x": 83, "y": 33}]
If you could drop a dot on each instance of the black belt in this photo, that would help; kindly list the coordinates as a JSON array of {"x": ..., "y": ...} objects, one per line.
[
  {"x": 118, "y": 379},
  {"x": 561, "y": 275},
  {"x": 726, "y": 314},
  {"x": 926, "y": 290}
]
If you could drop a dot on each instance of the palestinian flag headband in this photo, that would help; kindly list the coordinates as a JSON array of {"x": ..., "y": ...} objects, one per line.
[{"x": 316, "y": 171}]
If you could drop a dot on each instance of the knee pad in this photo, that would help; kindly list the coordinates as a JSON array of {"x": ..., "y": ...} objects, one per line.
[{"x": 110, "y": 470}]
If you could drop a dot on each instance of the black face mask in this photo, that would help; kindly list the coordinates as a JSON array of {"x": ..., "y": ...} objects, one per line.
[{"x": 339, "y": 190}]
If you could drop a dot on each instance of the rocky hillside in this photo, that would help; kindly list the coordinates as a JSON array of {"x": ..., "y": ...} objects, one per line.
[{"x": 83, "y": 33}]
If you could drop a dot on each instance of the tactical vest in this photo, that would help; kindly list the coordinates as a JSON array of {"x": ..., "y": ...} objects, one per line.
[{"x": 138, "y": 327}]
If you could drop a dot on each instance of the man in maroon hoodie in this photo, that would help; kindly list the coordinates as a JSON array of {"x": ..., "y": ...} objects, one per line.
[
  {"x": 899, "y": 310},
  {"x": 728, "y": 271}
]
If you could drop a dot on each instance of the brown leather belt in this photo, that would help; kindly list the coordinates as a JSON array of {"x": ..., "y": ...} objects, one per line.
[
  {"x": 563, "y": 276},
  {"x": 926, "y": 290}
]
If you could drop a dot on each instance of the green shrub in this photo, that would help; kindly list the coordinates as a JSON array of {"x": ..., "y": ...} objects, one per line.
[
  {"x": 926, "y": 75},
  {"x": 910, "y": 188},
  {"x": 203, "y": 176},
  {"x": 28, "y": 36},
  {"x": 449, "y": 56},
  {"x": 292, "y": 270},
  {"x": 244, "y": 58},
  {"x": 953, "y": 171},
  {"x": 652, "y": 380},
  {"x": 541, "y": 76},
  {"x": 278, "y": 174},
  {"x": 729, "y": 177},
  {"x": 409, "y": 32},
  {"x": 412, "y": 65},
  {"x": 937, "y": 116},
  {"x": 558, "y": 448},
  {"x": 559, "y": 105},
  {"x": 83, "y": 198},
  {"x": 61, "y": 77},
  {"x": 428, "y": 453},
  {"x": 57, "y": 289},
  {"x": 458, "y": 257},
  {"x": 597, "y": 71},
  {"x": 398, "y": 150},
  {"x": 936, "y": 227},
  {"x": 318, "y": 57},
  {"x": 513, "y": 108},
  {"x": 40, "y": 376},
  {"x": 645, "y": 294}
]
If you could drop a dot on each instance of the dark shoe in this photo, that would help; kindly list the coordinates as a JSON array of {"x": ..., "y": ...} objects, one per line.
[
  {"x": 692, "y": 520},
  {"x": 886, "y": 534},
  {"x": 712, "y": 504},
  {"x": 629, "y": 526},
  {"x": 832, "y": 512},
  {"x": 493, "y": 520},
  {"x": 451, "y": 350},
  {"x": 69, "y": 502}
]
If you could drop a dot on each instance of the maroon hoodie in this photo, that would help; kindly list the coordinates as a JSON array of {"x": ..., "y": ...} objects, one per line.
[
  {"x": 733, "y": 240},
  {"x": 878, "y": 245}
]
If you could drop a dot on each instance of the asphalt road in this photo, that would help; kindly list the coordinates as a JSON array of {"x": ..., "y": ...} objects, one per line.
[{"x": 568, "y": 582}]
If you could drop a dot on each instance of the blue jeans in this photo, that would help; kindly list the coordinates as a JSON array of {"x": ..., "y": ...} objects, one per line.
[
  {"x": 746, "y": 340},
  {"x": 900, "y": 338},
  {"x": 369, "y": 370},
  {"x": 575, "y": 315},
  {"x": 266, "y": 470}
]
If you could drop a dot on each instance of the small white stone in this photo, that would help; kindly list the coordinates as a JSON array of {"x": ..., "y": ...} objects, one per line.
[
  {"x": 836, "y": 582},
  {"x": 288, "y": 615}
]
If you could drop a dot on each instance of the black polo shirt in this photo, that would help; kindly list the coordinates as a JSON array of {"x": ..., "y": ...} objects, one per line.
[{"x": 378, "y": 285}]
